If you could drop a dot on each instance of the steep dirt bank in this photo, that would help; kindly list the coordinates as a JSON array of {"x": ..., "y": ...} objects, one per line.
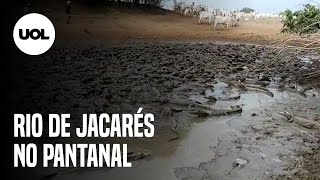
[{"x": 123, "y": 24}]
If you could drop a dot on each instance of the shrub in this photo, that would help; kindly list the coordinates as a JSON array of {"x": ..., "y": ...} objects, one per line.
[{"x": 303, "y": 21}]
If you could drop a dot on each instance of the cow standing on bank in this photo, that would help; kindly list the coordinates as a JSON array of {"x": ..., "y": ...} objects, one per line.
[{"x": 224, "y": 20}]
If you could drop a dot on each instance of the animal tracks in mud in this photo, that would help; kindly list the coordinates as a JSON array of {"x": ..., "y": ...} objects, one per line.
[{"x": 172, "y": 81}]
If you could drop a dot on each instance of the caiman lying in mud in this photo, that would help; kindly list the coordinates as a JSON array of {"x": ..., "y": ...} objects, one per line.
[
  {"x": 249, "y": 87},
  {"x": 301, "y": 121},
  {"x": 217, "y": 112},
  {"x": 202, "y": 110}
]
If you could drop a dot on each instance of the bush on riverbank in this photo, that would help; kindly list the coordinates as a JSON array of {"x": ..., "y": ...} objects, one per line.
[{"x": 303, "y": 21}]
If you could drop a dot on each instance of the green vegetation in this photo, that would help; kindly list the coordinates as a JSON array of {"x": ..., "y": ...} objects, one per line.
[
  {"x": 247, "y": 10},
  {"x": 303, "y": 21}
]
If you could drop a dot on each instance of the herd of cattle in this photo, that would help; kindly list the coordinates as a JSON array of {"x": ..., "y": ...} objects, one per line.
[{"x": 216, "y": 16}]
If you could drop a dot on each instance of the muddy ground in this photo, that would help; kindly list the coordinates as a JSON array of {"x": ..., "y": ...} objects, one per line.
[
  {"x": 216, "y": 103},
  {"x": 216, "y": 106}
]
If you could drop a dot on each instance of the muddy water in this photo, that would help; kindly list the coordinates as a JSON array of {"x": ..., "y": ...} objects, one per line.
[{"x": 257, "y": 143}]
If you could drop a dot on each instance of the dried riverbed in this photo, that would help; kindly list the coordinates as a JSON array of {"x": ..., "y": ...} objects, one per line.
[{"x": 216, "y": 106}]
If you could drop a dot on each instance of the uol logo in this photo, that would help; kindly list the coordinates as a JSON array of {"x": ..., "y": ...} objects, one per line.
[{"x": 34, "y": 34}]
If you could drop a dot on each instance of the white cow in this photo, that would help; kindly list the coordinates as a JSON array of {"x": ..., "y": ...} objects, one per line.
[
  {"x": 235, "y": 18},
  {"x": 187, "y": 12},
  {"x": 225, "y": 20},
  {"x": 206, "y": 16}
]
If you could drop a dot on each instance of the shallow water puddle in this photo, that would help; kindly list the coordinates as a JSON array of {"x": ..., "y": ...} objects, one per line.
[{"x": 213, "y": 146}]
